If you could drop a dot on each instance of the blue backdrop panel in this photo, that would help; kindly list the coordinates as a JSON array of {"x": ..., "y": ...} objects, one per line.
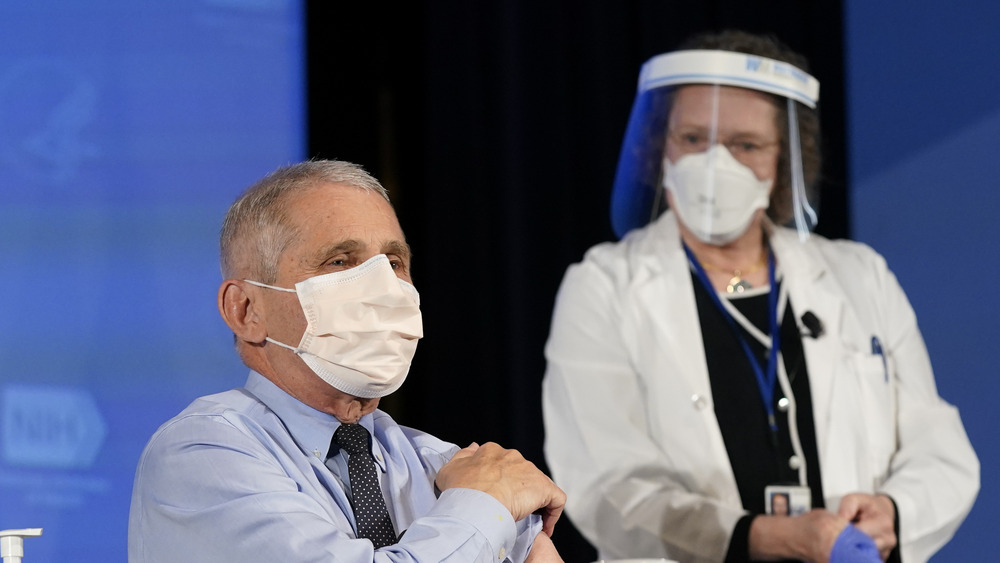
[
  {"x": 126, "y": 129},
  {"x": 924, "y": 114}
]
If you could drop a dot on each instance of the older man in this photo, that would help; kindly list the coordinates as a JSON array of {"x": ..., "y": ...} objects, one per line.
[{"x": 299, "y": 465}]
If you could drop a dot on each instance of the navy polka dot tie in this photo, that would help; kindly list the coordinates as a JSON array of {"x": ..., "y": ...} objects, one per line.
[{"x": 369, "y": 505}]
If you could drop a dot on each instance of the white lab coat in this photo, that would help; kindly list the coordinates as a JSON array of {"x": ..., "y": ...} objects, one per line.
[{"x": 631, "y": 434}]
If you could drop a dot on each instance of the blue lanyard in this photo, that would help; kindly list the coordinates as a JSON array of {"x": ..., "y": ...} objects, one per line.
[{"x": 765, "y": 381}]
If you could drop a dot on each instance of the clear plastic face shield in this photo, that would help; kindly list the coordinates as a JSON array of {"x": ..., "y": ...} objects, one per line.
[{"x": 719, "y": 135}]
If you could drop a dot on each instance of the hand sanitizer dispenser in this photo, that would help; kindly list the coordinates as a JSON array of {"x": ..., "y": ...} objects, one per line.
[{"x": 12, "y": 543}]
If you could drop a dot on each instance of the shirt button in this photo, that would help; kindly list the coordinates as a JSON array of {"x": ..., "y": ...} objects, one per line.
[
  {"x": 794, "y": 462},
  {"x": 503, "y": 553},
  {"x": 783, "y": 404},
  {"x": 699, "y": 402}
]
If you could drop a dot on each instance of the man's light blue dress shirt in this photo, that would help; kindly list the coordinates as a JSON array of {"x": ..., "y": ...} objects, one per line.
[{"x": 240, "y": 476}]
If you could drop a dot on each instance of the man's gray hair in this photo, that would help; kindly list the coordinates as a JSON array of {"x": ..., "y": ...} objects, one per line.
[{"x": 257, "y": 229}]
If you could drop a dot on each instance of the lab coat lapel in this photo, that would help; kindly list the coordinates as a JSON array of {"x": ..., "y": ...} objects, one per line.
[
  {"x": 664, "y": 282},
  {"x": 812, "y": 288},
  {"x": 673, "y": 358}
]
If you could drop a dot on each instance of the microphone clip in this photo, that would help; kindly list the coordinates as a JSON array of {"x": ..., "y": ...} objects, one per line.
[{"x": 813, "y": 326}]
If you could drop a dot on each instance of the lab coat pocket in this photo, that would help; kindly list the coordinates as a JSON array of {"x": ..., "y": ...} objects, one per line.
[{"x": 878, "y": 411}]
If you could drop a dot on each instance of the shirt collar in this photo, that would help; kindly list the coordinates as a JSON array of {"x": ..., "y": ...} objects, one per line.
[{"x": 311, "y": 429}]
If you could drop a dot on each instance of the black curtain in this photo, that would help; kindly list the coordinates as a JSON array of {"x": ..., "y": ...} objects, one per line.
[{"x": 496, "y": 126}]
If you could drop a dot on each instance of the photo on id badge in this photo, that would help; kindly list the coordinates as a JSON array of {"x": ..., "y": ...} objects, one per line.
[{"x": 787, "y": 500}]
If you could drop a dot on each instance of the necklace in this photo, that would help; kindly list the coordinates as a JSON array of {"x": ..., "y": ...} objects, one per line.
[{"x": 736, "y": 283}]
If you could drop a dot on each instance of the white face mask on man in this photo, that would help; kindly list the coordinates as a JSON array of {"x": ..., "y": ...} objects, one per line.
[
  {"x": 714, "y": 194},
  {"x": 363, "y": 327}
]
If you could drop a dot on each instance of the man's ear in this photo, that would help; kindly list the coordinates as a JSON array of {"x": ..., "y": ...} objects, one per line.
[{"x": 239, "y": 308}]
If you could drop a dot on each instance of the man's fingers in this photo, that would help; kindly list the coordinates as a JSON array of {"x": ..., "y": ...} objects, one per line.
[
  {"x": 551, "y": 512},
  {"x": 467, "y": 451},
  {"x": 549, "y": 518}
]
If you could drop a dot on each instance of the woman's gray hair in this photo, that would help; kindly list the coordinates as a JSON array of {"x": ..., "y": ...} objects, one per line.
[{"x": 257, "y": 229}]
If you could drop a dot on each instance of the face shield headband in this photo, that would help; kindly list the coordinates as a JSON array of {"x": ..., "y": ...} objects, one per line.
[{"x": 639, "y": 180}]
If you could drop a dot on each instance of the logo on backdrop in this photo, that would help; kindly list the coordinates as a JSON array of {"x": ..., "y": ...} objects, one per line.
[{"x": 55, "y": 427}]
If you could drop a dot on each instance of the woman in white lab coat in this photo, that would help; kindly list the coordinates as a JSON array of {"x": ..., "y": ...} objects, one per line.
[{"x": 712, "y": 357}]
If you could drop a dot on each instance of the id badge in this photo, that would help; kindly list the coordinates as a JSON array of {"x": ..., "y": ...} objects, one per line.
[{"x": 787, "y": 500}]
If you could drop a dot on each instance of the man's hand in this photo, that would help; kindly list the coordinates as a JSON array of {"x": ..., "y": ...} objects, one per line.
[
  {"x": 509, "y": 478},
  {"x": 874, "y": 515}
]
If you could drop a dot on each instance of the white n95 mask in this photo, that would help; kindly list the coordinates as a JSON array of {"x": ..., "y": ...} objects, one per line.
[
  {"x": 363, "y": 327},
  {"x": 714, "y": 194}
]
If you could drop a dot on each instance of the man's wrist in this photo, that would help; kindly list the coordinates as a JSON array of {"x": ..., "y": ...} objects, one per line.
[{"x": 482, "y": 511}]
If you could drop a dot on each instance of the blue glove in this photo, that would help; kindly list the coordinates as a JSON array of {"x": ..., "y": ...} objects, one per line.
[{"x": 854, "y": 546}]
